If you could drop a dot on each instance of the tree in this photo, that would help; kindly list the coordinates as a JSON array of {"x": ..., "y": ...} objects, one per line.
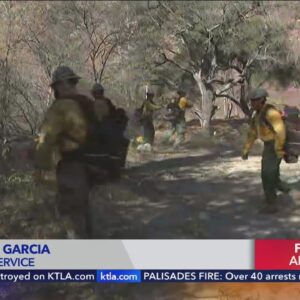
[
  {"x": 211, "y": 49},
  {"x": 17, "y": 114},
  {"x": 103, "y": 29},
  {"x": 208, "y": 40}
]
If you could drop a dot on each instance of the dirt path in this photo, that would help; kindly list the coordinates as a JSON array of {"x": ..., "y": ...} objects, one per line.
[{"x": 196, "y": 194}]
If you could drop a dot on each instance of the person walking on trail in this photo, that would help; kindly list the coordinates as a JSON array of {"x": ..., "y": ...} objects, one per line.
[
  {"x": 71, "y": 128},
  {"x": 176, "y": 116},
  {"x": 65, "y": 129},
  {"x": 147, "y": 110},
  {"x": 268, "y": 125},
  {"x": 114, "y": 123},
  {"x": 103, "y": 106}
]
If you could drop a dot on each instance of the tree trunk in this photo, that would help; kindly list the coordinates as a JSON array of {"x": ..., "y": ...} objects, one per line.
[
  {"x": 231, "y": 106},
  {"x": 207, "y": 101},
  {"x": 215, "y": 108},
  {"x": 245, "y": 87}
]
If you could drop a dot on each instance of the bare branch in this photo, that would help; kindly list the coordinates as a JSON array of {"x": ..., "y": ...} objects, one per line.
[
  {"x": 103, "y": 40},
  {"x": 215, "y": 80},
  {"x": 234, "y": 100},
  {"x": 199, "y": 80},
  {"x": 185, "y": 43},
  {"x": 229, "y": 85},
  {"x": 239, "y": 70},
  {"x": 106, "y": 59},
  {"x": 267, "y": 57},
  {"x": 166, "y": 59},
  {"x": 219, "y": 81},
  {"x": 26, "y": 118},
  {"x": 172, "y": 51},
  {"x": 213, "y": 28}
]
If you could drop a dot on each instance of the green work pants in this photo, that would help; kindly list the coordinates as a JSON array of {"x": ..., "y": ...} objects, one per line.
[
  {"x": 270, "y": 173},
  {"x": 179, "y": 129},
  {"x": 148, "y": 131}
]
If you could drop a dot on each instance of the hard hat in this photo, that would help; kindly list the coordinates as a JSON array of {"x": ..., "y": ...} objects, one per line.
[
  {"x": 63, "y": 73},
  {"x": 98, "y": 87},
  {"x": 258, "y": 93}
]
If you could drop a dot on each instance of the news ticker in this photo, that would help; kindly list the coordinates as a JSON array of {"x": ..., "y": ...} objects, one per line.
[
  {"x": 150, "y": 254},
  {"x": 141, "y": 276}
]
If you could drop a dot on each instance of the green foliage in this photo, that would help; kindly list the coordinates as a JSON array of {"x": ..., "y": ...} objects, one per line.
[
  {"x": 191, "y": 35},
  {"x": 284, "y": 74}
]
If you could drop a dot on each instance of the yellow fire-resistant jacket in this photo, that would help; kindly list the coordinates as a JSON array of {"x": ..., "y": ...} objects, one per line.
[
  {"x": 259, "y": 129},
  {"x": 64, "y": 129},
  {"x": 183, "y": 103}
]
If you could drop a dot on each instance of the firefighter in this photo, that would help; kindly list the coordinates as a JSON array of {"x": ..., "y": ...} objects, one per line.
[{"x": 267, "y": 124}]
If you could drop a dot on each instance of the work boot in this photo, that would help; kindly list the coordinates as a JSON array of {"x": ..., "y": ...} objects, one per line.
[{"x": 268, "y": 209}]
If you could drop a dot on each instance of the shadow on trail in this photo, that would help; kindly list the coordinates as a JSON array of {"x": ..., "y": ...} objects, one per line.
[
  {"x": 178, "y": 162},
  {"x": 234, "y": 213},
  {"x": 191, "y": 197}
]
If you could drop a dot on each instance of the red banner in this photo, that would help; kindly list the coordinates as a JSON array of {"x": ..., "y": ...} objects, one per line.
[{"x": 277, "y": 254}]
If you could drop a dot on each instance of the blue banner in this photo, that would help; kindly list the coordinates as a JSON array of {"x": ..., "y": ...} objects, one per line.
[
  {"x": 137, "y": 276},
  {"x": 219, "y": 276}
]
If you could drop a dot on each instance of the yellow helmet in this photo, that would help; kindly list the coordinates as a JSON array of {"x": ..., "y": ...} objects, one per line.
[{"x": 183, "y": 103}]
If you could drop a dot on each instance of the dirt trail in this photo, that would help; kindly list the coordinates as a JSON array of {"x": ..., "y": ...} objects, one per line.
[{"x": 203, "y": 193}]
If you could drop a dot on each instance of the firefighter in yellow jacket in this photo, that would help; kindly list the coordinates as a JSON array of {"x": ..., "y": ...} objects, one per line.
[
  {"x": 148, "y": 109},
  {"x": 183, "y": 104},
  {"x": 63, "y": 130},
  {"x": 267, "y": 125},
  {"x": 176, "y": 116}
]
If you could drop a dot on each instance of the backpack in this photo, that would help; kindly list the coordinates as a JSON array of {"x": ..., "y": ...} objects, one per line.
[
  {"x": 105, "y": 146},
  {"x": 173, "y": 112},
  {"x": 291, "y": 117},
  {"x": 111, "y": 129}
]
